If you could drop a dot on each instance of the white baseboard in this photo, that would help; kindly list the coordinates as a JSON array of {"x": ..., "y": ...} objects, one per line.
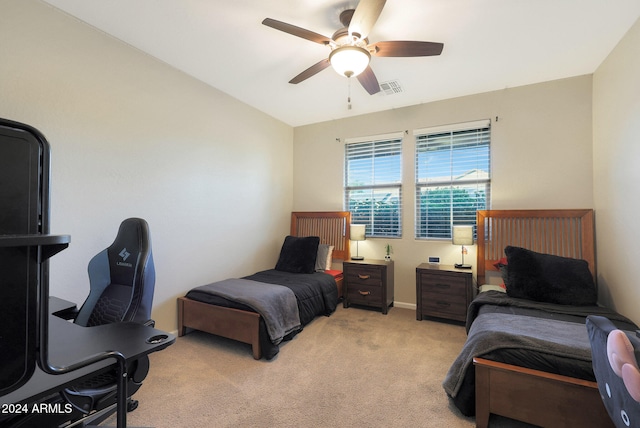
[{"x": 403, "y": 305}]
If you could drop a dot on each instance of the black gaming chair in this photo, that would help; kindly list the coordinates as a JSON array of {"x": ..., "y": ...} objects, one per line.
[{"x": 122, "y": 281}]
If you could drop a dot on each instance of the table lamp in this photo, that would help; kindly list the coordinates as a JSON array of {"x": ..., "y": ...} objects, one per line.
[
  {"x": 462, "y": 235},
  {"x": 357, "y": 233}
]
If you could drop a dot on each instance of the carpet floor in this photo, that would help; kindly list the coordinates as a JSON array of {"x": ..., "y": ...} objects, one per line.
[{"x": 356, "y": 368}]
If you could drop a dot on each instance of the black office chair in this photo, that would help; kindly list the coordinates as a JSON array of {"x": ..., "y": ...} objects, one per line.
[
  {"x": 122, "y": 281},
  {"x": 615, "y": 355}
]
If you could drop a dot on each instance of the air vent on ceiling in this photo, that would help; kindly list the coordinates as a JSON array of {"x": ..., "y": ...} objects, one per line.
[{"x": 391, "y": 87}]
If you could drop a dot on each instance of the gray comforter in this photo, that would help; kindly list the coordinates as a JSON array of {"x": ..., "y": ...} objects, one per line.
[
  {"x": 498, "y": 331},
  {"x": 276, "y": 304}
]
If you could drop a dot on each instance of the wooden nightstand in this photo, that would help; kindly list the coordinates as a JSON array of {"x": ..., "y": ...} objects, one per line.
[
  {"x": 369, "y": 283},
  {"x": 443, "y": 292}
]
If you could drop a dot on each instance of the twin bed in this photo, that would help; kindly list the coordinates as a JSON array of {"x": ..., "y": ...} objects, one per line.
[
  {"x": 527, "y": 354},
  {"x": 257, "y": 309}
]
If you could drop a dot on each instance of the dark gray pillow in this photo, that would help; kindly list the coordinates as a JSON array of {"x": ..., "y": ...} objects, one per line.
[
  {"x": 298, "y": 255},
  {"x": 549, "y": 278}
]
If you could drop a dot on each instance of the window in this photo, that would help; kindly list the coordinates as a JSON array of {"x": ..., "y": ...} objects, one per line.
[
  {"x": 373, "y": 188},
  {"x": 453, "y": 177}
]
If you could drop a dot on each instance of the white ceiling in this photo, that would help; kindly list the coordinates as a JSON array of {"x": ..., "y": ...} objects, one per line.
[{"x": 488, "y": 45}]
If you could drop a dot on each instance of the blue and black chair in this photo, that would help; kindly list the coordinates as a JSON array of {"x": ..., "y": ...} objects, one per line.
[{"x": 122, "y": 282}]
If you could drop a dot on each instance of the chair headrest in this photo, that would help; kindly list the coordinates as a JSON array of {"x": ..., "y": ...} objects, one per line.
[{"x": 131, "y": 245}]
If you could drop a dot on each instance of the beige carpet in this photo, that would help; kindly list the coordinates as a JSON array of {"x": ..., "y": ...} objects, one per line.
[{"x": 357, "y": 368}]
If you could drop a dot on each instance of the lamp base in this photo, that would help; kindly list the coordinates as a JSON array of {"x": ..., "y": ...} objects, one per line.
[
  {"x": 357, "y": 258},
  {"x": 462, "y": 266}
]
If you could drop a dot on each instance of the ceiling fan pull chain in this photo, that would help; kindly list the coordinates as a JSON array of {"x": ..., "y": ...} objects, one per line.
[{"x": 349, "y": 96}]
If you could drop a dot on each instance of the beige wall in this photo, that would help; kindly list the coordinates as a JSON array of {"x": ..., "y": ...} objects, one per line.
[
  {"x": 616, "y": 148},
  {"x": 541, "y": 158},
  {"x": 131, "y": 136}
]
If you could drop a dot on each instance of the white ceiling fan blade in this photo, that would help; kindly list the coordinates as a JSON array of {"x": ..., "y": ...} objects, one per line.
[{"x": 365, "y": 17}]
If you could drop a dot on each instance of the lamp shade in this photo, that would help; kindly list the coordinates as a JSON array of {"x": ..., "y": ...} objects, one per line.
[
  {"x": 349, "y": 60},
  {"x": 357, "y": 232},
  {"x": 462, "y": 235}
]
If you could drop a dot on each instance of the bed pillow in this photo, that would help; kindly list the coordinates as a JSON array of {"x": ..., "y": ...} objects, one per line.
[
  {"x": 549, "y": 278},
  {"x": 321, "y": 259},
  {"x": 615, "y": 364},
  {"x": 329, "y": 258},
  {"x": 492, "y": 287},
  {"x": 298, "y": 255}
]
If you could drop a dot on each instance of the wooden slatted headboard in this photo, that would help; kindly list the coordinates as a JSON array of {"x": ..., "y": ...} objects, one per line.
[
  {"x": 331, "y": 226},
  {"x": 566, "y": 233}
]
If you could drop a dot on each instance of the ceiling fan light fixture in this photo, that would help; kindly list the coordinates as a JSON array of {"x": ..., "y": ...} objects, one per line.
[{"x": 349, "y": 60}]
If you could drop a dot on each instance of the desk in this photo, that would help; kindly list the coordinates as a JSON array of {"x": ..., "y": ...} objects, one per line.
[{"x": 69, "y": 343}]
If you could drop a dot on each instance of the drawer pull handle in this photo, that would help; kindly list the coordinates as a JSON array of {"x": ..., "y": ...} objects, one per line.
[
  {"x": 443, "y": 304},
  {"x": 443, "y": 285},
  {"x": 364, "y": 276},
  {"x": 364, "y": 293}
]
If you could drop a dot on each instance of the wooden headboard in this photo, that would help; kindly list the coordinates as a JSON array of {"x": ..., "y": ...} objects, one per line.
[
  {"x": 566, "y": 233},
  {"x": 331, "y": 226}
]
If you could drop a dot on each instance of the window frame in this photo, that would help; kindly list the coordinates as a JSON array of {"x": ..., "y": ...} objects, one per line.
[
  {"x": 478, "y": 187},
  {"x": 377, "y": 226}
]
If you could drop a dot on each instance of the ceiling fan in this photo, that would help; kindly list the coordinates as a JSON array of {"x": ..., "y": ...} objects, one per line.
[{"x": 350, "y": 49}]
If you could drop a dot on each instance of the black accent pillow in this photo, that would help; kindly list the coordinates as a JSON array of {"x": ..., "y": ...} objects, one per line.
[
  {"x": 549, "y": 278},
  {"x": 298, "y": 255}
]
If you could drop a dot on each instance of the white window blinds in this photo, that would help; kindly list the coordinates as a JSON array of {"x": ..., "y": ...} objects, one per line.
[
  {"x": 373, "y": 184},
  {"x": 453, "y": 177}
]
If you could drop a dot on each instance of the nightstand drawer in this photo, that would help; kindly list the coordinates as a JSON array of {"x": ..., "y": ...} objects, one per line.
[
  {"x": 437, "y": 305},
  {"x": 364, "y": 294},
  {"x": 364, "y": 276},
  {"x": 443, "y": 284}
]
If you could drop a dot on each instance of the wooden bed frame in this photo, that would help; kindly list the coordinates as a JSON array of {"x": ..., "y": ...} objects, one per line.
[
  {"x": 331, "y": 226},
  {"x": 519, "y": 393}
]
